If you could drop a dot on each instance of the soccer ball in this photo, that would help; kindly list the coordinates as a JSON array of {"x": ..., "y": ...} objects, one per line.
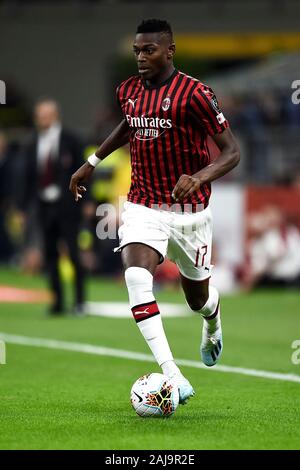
[{"x": 154, "y": 395}]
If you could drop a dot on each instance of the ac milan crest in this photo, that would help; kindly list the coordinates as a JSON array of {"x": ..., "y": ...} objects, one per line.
[{"x": 166, "y": 104}]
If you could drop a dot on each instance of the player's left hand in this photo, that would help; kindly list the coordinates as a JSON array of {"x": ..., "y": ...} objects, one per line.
[{"x": 185, "y": 186}]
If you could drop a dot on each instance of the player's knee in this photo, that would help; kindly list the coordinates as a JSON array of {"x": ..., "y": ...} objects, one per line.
[
  {"x": 139, "y": 283},
  {"x": 138, "y": 278},
  {"x": 197, "y": 303}
]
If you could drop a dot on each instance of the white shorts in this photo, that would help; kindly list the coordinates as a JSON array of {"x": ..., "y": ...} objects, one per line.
[{"x": 185, "y": 238}]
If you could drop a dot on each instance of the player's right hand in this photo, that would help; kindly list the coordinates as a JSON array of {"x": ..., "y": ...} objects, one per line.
[{"x": 80, "y": 176}]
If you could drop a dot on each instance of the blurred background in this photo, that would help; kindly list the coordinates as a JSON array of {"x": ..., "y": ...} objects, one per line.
[{"x": 74, "y": 53}]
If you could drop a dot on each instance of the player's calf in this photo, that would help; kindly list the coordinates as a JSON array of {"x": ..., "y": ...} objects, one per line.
[{"x": 146, "y": 313}]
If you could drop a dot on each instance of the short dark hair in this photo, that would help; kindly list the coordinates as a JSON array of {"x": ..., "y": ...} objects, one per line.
[{"x": 155, "y": 26}]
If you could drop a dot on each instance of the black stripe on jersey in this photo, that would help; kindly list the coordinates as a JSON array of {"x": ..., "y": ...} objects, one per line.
[
  {"x": 155, "y": 157},
  {"x": 134, "y": 154},
  {"x": 204, "y": 112},
  {"x": 165, "y": 158},
  {"x": 126, "y": 85},
  {"x": 219, "y": 127},
  {"x": 205, "y": 189},
  {"x": 191, "y": 155},
  {"x": 136, "y": 91},
  {"x": 190, "y": 144},
  {"x": 179, "y": 121},
  {"x": 149, "y": 157},
  {"x": 201, "y": 195},
  {"x": 205, "y": 146},
  {"x": 121, "y": 95},
  {"x": 141, "y": 157},
  {"x": 173, "y": 149}
]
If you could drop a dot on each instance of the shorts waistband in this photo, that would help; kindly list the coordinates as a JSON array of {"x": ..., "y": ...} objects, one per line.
[{"x": 178, "y": 208}]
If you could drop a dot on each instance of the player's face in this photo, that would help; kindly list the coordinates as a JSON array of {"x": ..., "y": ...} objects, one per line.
[{"x": 154, "y": 53}]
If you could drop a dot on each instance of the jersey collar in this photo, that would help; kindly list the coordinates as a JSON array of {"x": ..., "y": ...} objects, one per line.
[{"x": 169, "y": 79}]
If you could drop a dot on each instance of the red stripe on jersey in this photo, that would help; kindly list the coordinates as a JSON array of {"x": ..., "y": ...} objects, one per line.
[
  {"x": 187, "y": 143},
  {"x": 151, "y": 173},
  {"x": 140, "y": 168},
  {"x": 181, "y": 139},
  {"x": 206, "y": 117},
  {"x": 176, "y": 167},
  {"x": 169, "y": 125},
  {"x": 161, "y": 147}
]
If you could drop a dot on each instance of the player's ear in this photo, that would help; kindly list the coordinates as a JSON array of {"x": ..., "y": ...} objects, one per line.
[{"x": 171, "y": 50}]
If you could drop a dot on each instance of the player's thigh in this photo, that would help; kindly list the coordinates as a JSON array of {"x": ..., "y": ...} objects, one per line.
[
  {"x": 143, "y": 237},
  {"x": 190, "y": 245},
  {"x": 140, "y": 255},
  {"x": 196, "y": 292}
]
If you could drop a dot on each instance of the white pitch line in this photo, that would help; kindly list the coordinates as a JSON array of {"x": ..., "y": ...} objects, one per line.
[{"x": 101, "y": 351}]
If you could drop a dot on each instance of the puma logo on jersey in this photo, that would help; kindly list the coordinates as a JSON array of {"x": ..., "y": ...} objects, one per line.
[
  {"x": 132, "y": 102},
  {"x": 140, "y": 312}
]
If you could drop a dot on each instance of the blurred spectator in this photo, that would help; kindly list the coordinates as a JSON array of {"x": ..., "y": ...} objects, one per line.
[
  {"x": 273, "y": 250},
  {"x": 52, "y": 156},
  {"x": 6, "y": 247},
  {"x": 267, "y": 123},
  {"x": 296, "y": 180}
]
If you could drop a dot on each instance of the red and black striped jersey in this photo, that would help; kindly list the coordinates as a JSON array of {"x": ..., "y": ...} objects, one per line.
[{"x": 170, "y": 124}]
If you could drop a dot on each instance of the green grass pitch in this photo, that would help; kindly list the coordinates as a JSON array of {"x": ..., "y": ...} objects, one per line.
[{"x": 54, "y": 399}]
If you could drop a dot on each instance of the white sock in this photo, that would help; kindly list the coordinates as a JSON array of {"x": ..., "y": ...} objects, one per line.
[
  {"x": 139, "y": 283},
  {"x": 170, "y": 369},
  {"x": 211, "y": 311}
]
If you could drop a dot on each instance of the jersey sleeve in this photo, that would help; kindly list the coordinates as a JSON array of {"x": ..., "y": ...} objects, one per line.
[{"x": 205, "y": 109}]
